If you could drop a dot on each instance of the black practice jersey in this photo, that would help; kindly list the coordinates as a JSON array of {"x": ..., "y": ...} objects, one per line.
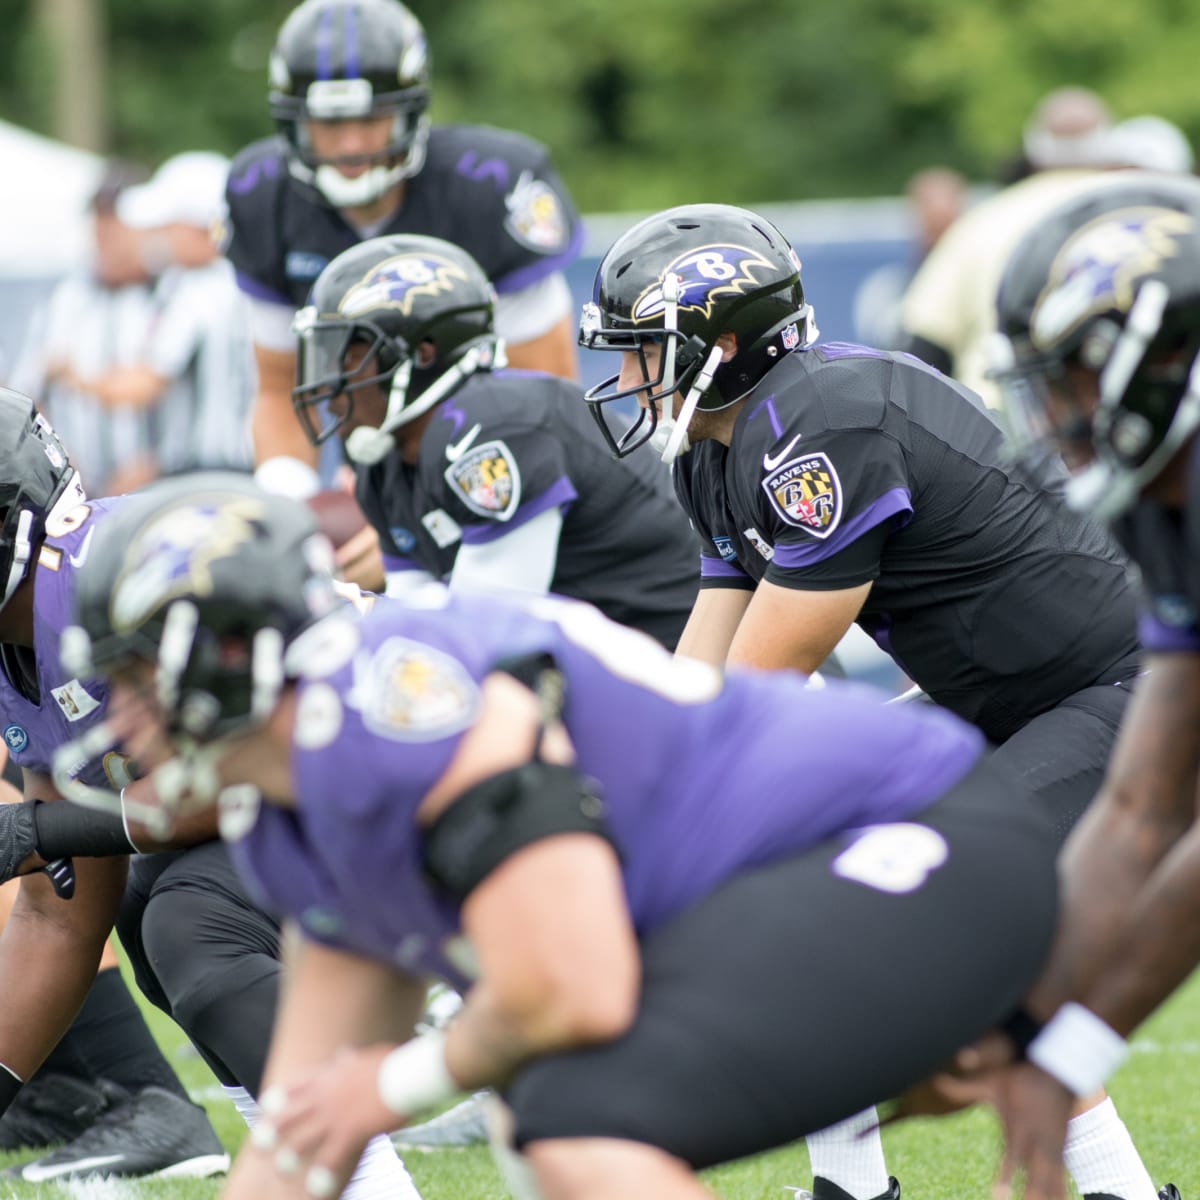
[
  {"x": 490, "y": 191},
  {"x": 850, "y": 465},
  {"x": 509, "y": 445}
]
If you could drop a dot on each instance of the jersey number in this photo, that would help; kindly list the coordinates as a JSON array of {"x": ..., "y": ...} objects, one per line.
[{"x": 893, "y": 858}]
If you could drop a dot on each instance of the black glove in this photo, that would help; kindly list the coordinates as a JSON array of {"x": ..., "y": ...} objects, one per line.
[
  {"x": 18, "y": 837},
  {"x": 18, "y": 840}
]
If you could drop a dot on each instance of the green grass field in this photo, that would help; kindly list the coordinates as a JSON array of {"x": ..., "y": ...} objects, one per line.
[{"x": 950, "y": 1159}]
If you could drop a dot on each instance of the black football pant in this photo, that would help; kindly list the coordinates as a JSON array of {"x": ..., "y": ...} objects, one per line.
[
  {"x": 797, "y": 994},
  {"x": 1061, "y": 755},
  {"x": 205, "y": 954}
]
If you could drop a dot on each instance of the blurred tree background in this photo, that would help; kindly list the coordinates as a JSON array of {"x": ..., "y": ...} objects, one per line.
[{"x": 643, "y": 102}]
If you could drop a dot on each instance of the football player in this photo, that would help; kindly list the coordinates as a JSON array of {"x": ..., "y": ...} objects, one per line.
[
  {"x": 201, "y": 949},
  {"x": 356, "y": 156},
  {"x": 491, "y": 478},
  {"x": 832, "y": 483},
  {"x": 1101, "y": 306},
  {"x": 608, "y": 841}
]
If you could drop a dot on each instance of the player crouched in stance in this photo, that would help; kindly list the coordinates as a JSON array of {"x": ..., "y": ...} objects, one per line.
[
  {"x": 1101, "y": 308},
  {"x": 490, "y": 478},
  {"x": 534, "y": 803}
]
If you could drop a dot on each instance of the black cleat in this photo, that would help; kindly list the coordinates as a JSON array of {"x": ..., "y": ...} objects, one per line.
[
  {"x": 53, "y": 1108},
  {"x": 155, "y": 1133},
  {"x": 822, "y": 1189},
  {"x": 1168, "y": 1191}
]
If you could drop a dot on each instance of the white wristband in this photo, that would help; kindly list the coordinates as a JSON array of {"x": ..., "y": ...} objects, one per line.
[
  {"x": 287, "y": 476},
  {"x": 1079, "y": 1049},
  {"x": 414, "y": 1075}
]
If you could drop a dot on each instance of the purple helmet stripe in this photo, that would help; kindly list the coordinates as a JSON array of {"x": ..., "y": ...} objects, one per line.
[
  {"x": 352, "y": 70},
  {"x": 324, "y": 43}
]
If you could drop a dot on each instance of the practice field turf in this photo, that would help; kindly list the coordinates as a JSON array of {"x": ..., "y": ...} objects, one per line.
[{"x": 950, "y": 1159}]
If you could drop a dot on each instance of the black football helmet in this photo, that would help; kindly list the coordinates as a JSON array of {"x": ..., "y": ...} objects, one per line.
[
  {"x": 208, "y": 579},
  {"x": 391, "y": 295},
  {"x": 37, "y": 484},
  {"x": 682, "y": 278},
  {"x": 1110, "y": 283},
  {"x": 344, "y": 59}
]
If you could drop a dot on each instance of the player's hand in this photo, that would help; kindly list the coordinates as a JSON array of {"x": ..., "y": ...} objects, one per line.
[
  {"x": 319, "y": 1124},
  {"x": 973, "y": 1077},
  {"x": 1034, "y": 1109},
  {"x": 360, "y": 560}
]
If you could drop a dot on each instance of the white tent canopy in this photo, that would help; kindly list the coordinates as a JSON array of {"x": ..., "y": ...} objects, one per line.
[{"x": 43, "y": 204}]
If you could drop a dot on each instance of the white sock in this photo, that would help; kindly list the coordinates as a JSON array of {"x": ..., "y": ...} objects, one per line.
[
  {"x": 381, "y": 1175},
  {"x": 1101, "y": 1156},
  {"x": 243, "y": 1102},
  {"x": 850, "y": 1155}
]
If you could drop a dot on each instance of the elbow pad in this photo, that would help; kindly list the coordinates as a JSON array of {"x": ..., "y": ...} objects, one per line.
[{"x": 503, "y": 813}]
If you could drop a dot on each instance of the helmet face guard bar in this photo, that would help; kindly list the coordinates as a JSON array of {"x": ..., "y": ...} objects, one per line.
[
  {"x": 1124, "y": 464},
  {"x": 651, "y": 391},
  {"x": 325, "y": 382}
]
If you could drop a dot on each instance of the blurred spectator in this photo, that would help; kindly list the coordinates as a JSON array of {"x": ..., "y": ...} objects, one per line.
[
  {"x": 948, "y": 313},
  {"x": 936, "y": 197},
  {"x": 142, "y": 361},
  {"x": 1154, "y": 144}
]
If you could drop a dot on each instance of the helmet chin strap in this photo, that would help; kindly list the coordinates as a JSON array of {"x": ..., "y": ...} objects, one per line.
[
  {"x": 670, "y": 436},
  {"x": 368, "y": 444}
]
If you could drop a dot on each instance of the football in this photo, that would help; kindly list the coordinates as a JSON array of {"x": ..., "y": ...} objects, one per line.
[{"x": 338, "y": 516}]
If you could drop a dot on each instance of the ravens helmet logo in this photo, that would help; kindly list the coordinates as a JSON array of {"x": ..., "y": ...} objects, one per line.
[
  {"x": 1098, "y": 268},
  {"x": 172, "y": 556},
  {"x": 705, "y": 275},
  {"x": 396, "y": 283}
]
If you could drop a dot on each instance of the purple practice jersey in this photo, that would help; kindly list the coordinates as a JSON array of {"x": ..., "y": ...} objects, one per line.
[
  {"x": 42, "y": 706},
  {"x": 702, "y": 776}
]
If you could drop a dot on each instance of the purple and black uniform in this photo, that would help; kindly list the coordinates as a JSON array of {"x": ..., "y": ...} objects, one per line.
[
  {"x": 851, "y": 466},
  {"x": 774, "y": 841},
  {"x": 200, "y": 950},
  {"x": 508, "y": 446},
  {"x": 490, "y": 191},
  {"x": 42, "y": 706}
]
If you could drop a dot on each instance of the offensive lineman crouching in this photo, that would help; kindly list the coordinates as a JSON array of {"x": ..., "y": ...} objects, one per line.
[{"x": 461, "y": 787}]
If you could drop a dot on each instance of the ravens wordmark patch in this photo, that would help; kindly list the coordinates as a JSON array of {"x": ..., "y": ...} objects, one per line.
[
  {"x": 487, "y": 480},
  {"x": 806, "y": 492}
]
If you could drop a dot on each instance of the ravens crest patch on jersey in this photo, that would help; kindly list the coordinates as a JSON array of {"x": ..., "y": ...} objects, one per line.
[
  {"x": 806, "y": 492},
  {"x": 535, "y": 215},
  {"x": 705, "y": 275},
  {"x": 397, "y": 282},
  {"x": 487, "y": 480},
  {"x": 416, "y": 693}
]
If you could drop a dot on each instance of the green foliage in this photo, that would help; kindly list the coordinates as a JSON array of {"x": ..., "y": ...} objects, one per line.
[
  {"x": 944, "y": 1159},
  {"x": 650, "y": 102}
]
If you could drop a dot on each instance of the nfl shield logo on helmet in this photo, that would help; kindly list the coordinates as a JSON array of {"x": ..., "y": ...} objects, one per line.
[{"x": 807, "y": 493}]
